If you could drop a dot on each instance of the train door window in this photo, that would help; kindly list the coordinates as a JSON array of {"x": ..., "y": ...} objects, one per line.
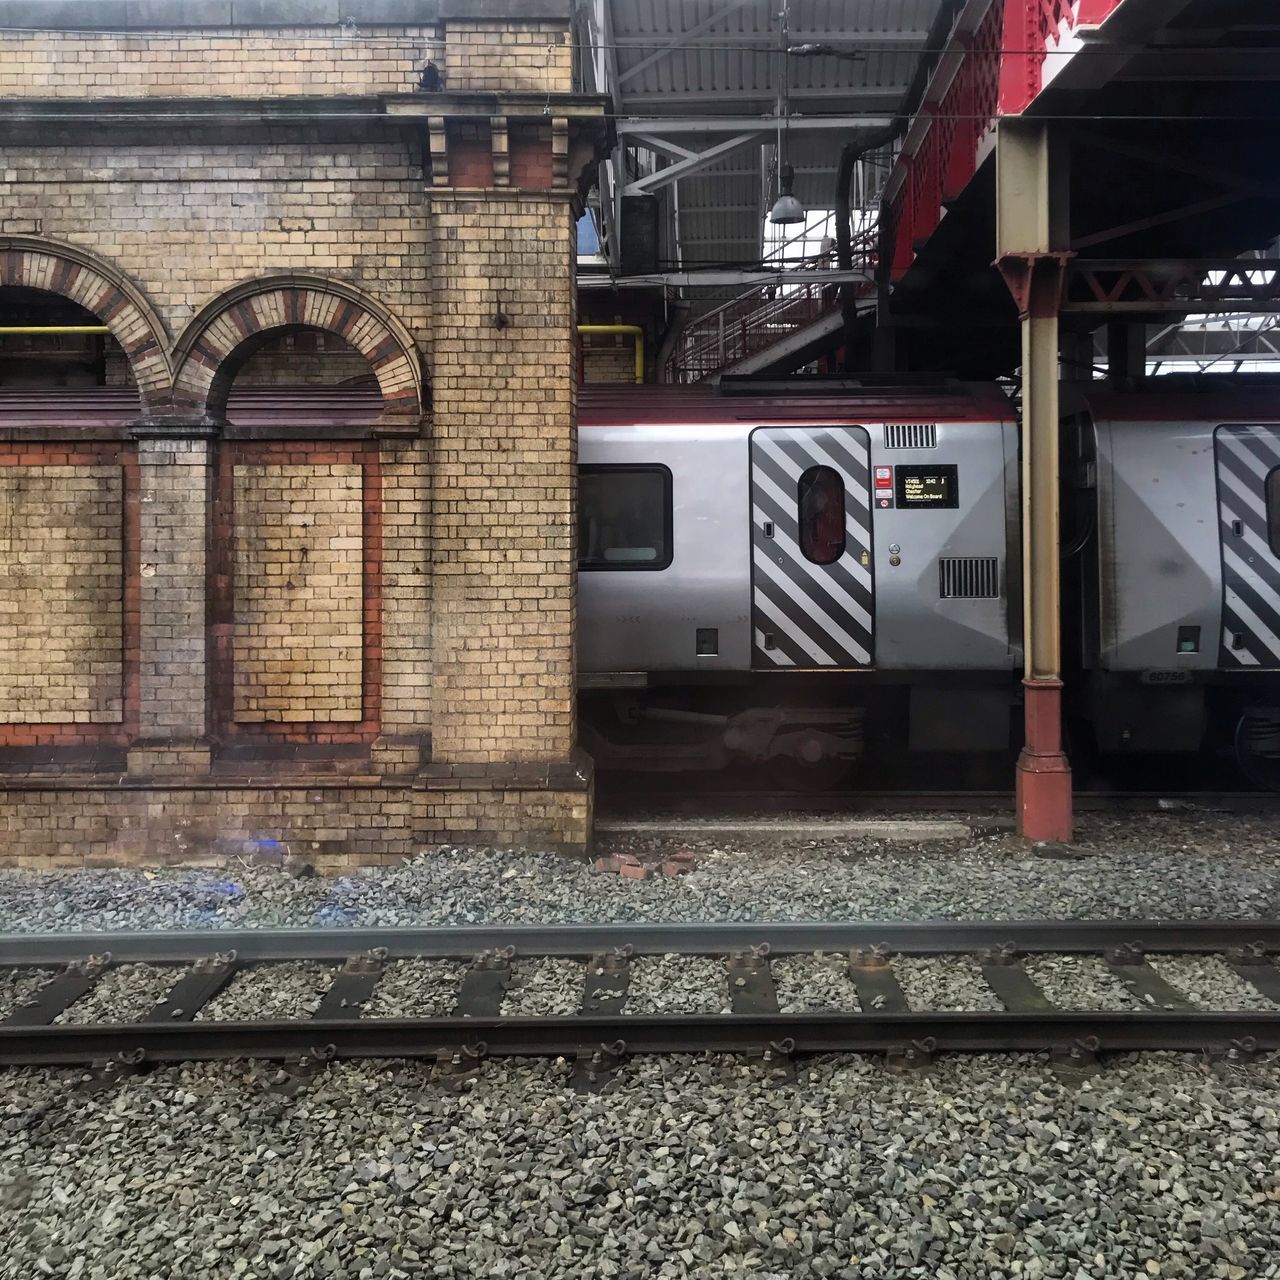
[
  {"x": 624, "y": 517},
  {"x": 1273, "y": 510},
  {"x": 821, "y": 511}
]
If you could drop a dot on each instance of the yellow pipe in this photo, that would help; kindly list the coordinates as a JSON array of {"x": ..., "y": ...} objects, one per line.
[
  {"x": 54, "y": 328},
  {"x": 633, "y": 329}
]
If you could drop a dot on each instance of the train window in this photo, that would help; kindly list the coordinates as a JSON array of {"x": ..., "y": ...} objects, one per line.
[
  {"x": 821, "y": 503},
  {"x": 1273, "y": 510},
  {"x": 624, "y": 517}
]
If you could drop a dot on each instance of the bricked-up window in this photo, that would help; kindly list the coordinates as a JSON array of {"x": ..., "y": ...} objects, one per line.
[
  {"x": 821, "y": 511},
  {"x": 624, "y": 517}
]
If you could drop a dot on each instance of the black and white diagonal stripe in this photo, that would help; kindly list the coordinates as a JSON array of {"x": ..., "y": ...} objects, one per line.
[
  {"x": 1246, "y": 455},
  {"x": 817, "y": 615}
]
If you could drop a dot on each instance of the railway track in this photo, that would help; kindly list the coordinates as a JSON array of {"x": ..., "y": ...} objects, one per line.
[{"x": 600, "y": 1034}]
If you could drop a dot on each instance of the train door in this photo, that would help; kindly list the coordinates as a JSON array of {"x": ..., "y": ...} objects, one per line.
[
  {"x": 1248, "y": 467},
  {"x": 812, "y": 585}
]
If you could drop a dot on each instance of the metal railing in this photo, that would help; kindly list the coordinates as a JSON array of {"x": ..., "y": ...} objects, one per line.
[{"x": 763, "y": 315}]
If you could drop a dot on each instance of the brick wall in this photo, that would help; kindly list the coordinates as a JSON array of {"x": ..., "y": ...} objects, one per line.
[
  {"x": 174, "y": 481},
  {"x": 297, "y": 601},
  {"x": 235, "y": 62},
  {"x": 503, "y": 480},
  {"x": 298, "y": 582},
  {"x": 402, "y": 593},
  {"x": 304, "y": 359},
  {"x": 347, "y": 205},
  {"x": 535, "y": 56},
  {"x": 61, "y": 591},
  {"x": 331, "y": 827}
]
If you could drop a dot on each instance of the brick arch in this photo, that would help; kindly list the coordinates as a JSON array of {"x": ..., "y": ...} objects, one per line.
[
  {"x": 34, "y": 263},
  {"x": 234, "y": 325}
]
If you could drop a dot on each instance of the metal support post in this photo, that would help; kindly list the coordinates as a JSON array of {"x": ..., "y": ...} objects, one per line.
[
  {"x": 1030, "y": 230},
  {"x": 1126, "y": 349}
]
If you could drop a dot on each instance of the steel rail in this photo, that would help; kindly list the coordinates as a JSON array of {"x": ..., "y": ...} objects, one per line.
[
  {"x": 577, "y": 1036},
  {"x": 927, "y": 937}
]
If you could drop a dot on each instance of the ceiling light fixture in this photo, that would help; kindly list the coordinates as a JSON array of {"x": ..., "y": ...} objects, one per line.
[{"x": 786, "y": 208}]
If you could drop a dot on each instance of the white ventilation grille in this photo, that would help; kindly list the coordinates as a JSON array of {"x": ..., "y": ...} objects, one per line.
[
  {"x": 969, "y": 578},
  {"x": 910, "y": 435}
]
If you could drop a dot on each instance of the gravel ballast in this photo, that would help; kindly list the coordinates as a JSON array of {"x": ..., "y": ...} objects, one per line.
[
  {"x": 1143, "y": 867},
  {"x": 985, "y": 1169},
  {"x": 123, "y": 994},
  {"x": 416, "y": 988},
  {"x": 678, "y": 984},
  {"x": 1210, "y": 983},
  {"x": 271, "y": 991},
  {"x": 544, "y": 986},
  {"x": 1080, "y": 982},
  {"x": 810, "y": 983},
  {"x": 944, "y": 982}
]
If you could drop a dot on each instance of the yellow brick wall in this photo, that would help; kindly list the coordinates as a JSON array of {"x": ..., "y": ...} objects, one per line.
[
  {"x": 530, "y": 56},
  {"x": 304, "y": 359},
  {"x": 503, "y": 584},
  {"x": 609, "y": 360},
  {"x": 221, "y": 214},
  {"x": 232, "y": 62},
  {"x": 61, "y": 594},
  {"x": 173, "y": 517},
  {"x": 298, "y": 578},
  {"x": 330, "y": 827}
]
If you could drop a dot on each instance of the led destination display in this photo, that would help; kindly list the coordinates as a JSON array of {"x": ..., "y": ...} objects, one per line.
[{"x": 926, "y": 486}]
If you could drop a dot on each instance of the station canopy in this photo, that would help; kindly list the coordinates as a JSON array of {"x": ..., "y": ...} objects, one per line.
[{"x": 700, "y": 87}]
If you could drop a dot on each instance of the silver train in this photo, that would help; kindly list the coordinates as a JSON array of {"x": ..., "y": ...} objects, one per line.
[{"x": 797, "y": 579}]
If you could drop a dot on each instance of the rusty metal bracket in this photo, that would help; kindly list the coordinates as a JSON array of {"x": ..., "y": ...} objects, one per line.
[
  {"x": 1079, "y": 1058},
  {"x": 455, "y": 1068},
  {"x": 593, "y": 1069},
  {"x": 295, "y": 1073},
  {"x": 778, "y": 1060},
  {"x": 122, "y": 1066},
  {"x": 916, "y": 1056}
]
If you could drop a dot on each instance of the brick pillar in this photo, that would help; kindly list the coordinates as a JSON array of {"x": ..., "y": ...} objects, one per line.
[
  {"x": 503, "y": 479},
  {"x": 503, "y": 714},
  {"x": 173, "y": 519}
]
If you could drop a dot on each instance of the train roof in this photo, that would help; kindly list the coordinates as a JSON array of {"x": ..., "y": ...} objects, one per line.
[
  {"x": 841, "y": 401},
  {"x": 1172, "y": 398},
  {"x": 1181, "y": 398}
]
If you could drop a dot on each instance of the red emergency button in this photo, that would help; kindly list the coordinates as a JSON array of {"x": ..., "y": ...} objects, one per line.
[{"x": 884, "y": 477}]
